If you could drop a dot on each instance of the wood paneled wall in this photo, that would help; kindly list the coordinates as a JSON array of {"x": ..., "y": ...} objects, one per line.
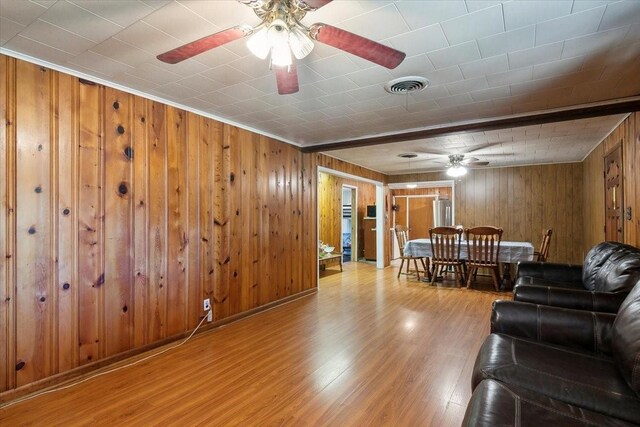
[
  {"x": 330, "y": 208},
  {"x": 627, "y": 133},
  {"x": 118, "y": 215},
  {"x": 523, "y": 201}
]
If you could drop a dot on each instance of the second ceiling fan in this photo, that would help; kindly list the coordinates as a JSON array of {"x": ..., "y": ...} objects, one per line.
[{"x": 281, "y": 36}]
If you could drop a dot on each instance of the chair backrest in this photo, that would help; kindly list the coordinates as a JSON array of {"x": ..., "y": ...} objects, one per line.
[
  {"x": 402, "y": 232},
  {"x": 543, "y": 252},
  {"x": 611, "y": 267},
  {"x": 483, "y": 245},
  {"x": 445, "y": 244}
]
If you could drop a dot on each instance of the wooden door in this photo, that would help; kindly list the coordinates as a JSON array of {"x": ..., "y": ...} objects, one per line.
[
  {"x": 420, "y": 217},
  {"x": 613, "y": 229}
]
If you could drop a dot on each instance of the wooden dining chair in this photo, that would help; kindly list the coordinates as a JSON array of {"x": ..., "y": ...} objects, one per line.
[
  {"x": 483, "y": 249},
  {"x": 542, "y": 254},
  {"x": 445, "y": 250},
  {"x": 402, "y": 233}
]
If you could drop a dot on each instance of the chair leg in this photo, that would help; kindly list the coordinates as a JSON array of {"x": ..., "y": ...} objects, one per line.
[
  {"x": 434, "y": 274},
  {"x": 427, "y": 270},
  {"x": 459, "y": 276},
  {"x": 400, "y": 269},
  {"x": 495, "y": 274},
  {"x": 471, "y": 275},
  {"x": 415, "y": 264}
]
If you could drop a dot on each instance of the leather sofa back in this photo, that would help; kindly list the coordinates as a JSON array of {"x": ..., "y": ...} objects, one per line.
[
  {"x": 625, "y": 339},
  {"x": 611, "y": 267}
]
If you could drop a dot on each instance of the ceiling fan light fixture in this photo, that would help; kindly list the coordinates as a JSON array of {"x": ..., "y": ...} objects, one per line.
[
  {"x": 456, "y": 171},
  {"x": 281, "y": 55},
  {"x": 300, "y": 43},
  {"x": 259, "y": 44}
]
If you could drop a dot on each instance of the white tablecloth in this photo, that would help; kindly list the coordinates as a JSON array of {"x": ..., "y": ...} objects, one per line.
[{"x": 510, "y": 252}]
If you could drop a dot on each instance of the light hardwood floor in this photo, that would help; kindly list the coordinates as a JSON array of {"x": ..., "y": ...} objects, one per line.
[{"x": 367, "y": 349}]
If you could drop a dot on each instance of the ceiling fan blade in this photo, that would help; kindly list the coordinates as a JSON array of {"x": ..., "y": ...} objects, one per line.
[
  {"x": 482, "y": 147},
  {"x": 357, "y": 45},
  {"x": 313, "y": 4},
  {"x": 287, "y": 79},
  {"x": 470, "y": 160},
  {"x": 204, "y": 44},
  {"x": 482, "y": 163}
]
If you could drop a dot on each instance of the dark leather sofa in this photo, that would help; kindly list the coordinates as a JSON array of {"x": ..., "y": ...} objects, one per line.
[
  {"x": 553, "y": 366},
  {"x": 610, "y": 270}
]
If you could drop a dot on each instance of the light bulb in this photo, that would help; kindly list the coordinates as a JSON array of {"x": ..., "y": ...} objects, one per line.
[
  {"x": 281, "y": 55},
  {"x": 259, "y": 44},
  {"x": 456, "y": 171}
]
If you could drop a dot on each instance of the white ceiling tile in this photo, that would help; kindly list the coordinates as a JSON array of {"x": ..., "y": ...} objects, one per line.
[
  {"x": 102, "y": 64},
  {"x": 482, "y": 23},
  {"x": 510, "y": 41},
  {"x": 20, "y": 11},
  {"x": 253, "y": 106},
  {"x": 183, "y": 68},
  {"x": 574, "y": 25},
  {"x": 443, "y": 76},
  {"x": 621, "y": 13},
  {"x": 454, "y": 55},
  {"x": 133, "y": 82},
  {"x": 522, "y": 13},
  {"x": 509, "y": 77},
  {"x": 581, "y": 5},
  {"x": 420, "y": 41},
  {"x": 216, "y": 57},
  {"x": 155, "y": 4},
  {"x": 241, "y": 91},
  {"x": 38, "y": 50},
  {"x": 217, "y": 98},
  {"x": 224, "y": 13},
  {"x": 536, "y": 55},
  {"x": 492, "y": 93},
  {"x": 181, "y": 23},
  {"x": 176, "y": 91},
  {"x": 8, "y": 29},
  {"x": 419, "y": 14},
  {"x": 597, "y": 42},
  {"x": 53, "y": 36},
  {"x": 335, "y": 85},
  {"x": 468, "y": 85},
  {"x": 558, "y": 68},
  {"x": 122, "y": 52},
  {"x": 378, "y": 24},
  {"x": 333, "y": 66},
  {"x": 369, "y": 93},
  {"x": 265, "y": 84},
  {"x": 79, "y": 21},
  {"x": 121, "y": 12},
  {"x": 485, "y": 66},
  {"x": 252, "y": 66},
  {"x": 147, "y": 38},
  {"x": 310, "y": 105},
  {"x": 463, "y": 98},
  {"x": 416, "y": 65},
  {"x": 370, "y": 76},
  {"x": 475, "y": 5},
  {"x": 152, "y": 72},
  {"x": 226, "y": 75},
  {"x": 337, "y": 100},
  {"x": 201, "y": 84}
]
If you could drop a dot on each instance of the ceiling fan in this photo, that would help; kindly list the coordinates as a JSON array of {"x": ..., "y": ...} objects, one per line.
[
  {"x": 281, "y": 35},
  {"x": 457, "y": 162}
]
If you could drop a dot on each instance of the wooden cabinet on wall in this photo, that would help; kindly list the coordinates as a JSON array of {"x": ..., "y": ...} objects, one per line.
[{"x": 370, "y": 243}]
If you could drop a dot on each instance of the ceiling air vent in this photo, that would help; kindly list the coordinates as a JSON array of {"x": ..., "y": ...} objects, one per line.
[{"x": 404, "y": 85}]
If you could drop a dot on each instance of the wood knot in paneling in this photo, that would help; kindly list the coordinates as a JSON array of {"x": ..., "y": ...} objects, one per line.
[
  {"x": 123, "y": 188},
  {"x": 128, "y": 152},
  {"x": 120, "y": 129},
  {"x": 66, "y": 286},
  {"x": 20, "y": 364},
  {"x": 116, "y": 105}
]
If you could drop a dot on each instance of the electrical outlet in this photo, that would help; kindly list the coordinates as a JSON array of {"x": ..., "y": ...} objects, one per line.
[{"x": 206, "y": 305}]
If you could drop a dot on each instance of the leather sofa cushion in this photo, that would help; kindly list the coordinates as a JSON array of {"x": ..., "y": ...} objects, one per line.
[
  {"x": 595, "y": 259},
  {"x": 576, "y": 378},
  {"x": 498, "y": 404},
  {"x": 625, "y": 339},
  {"x": 611, "y": 267}
]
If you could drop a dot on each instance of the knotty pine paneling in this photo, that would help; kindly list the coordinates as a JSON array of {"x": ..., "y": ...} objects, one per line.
[
  {"x": 627, "y": 133},
  {"x": 119, "y": 215},
  {"x": 523, "y": 201}
]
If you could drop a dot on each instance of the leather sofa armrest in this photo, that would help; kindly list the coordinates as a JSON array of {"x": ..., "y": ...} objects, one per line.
[
  {"x": 578, "y": 299},
  {"x": 565, "y": 275},
  {"x": 584, "y": 330}
]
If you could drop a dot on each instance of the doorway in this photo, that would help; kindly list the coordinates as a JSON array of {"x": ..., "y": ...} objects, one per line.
[
  {"x": 349, "y": 223},
  {"x": 613, "y": 201}
]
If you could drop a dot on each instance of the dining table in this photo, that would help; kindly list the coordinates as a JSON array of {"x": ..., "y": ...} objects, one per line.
[{"x": 510, "y": 253}]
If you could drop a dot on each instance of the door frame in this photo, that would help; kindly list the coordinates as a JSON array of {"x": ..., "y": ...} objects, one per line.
[
  {"x": 379, "y": 212},
  {"x": 354, "y": 220}
]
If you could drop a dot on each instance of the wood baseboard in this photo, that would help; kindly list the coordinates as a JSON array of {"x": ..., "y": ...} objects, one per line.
[{"x": 119, "y": 359}]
